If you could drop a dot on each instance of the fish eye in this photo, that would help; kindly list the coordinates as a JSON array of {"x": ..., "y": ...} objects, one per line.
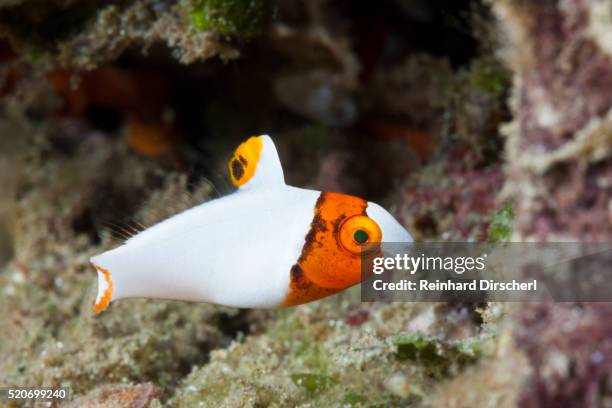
[
  {"x": 361, "y": 236},
  {"x": 358, "y": 230}
]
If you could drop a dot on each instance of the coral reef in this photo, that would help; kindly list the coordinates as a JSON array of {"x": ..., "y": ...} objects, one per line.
[
  {"x": 570, "y": 349},
  {"x": 470, "y": 121},
  {"x": 311, "y": 357},
  {"x": 235, "y": 18},
  {"x": 559, "y": 141},
  {"x": 85, "y": 34},
  {"x": 559, "y": 170},
  {"x": 153, "y": 352},
  {"x": 137, "y": 396},
  {"x": 54, "y": 339},
  {"x": 455, "y": 193}
]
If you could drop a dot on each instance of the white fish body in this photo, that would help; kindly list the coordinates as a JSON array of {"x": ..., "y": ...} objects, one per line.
[{"x": 240, "y": 249}]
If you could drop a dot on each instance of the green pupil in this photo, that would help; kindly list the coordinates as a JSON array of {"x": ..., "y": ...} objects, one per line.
[{"x": 360, "y": 236}]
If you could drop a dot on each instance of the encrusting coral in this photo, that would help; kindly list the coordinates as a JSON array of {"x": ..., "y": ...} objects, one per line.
[
  {"x": 87, "y": 33},
  {"x": 47, "y": 287},
  {"x": 559, "y": 151}
]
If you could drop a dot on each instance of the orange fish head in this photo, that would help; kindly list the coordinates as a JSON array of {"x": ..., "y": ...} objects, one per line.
[{"x": 343, "y": 229}]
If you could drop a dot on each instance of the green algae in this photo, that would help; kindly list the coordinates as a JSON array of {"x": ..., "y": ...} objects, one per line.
[
  {"x": 236, "y": 18},
  {"x": 38, "y": 55},
  {"x": 502, "y": 224},
  {"x": 353, "y": 399},
  {"x": 490, "y": 76},
  {"x": 440, "y": 358},
  {"x": 476, "y": 107},
  {"x": 317, "y": 136},
  {"x": 313, "y": 382}
]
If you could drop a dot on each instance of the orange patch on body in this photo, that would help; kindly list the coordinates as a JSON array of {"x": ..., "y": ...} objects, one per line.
[
  {"x": 243, "y": 163},
  {"x": 103, "y": 302},
  {"x": 325, "y": 267}
]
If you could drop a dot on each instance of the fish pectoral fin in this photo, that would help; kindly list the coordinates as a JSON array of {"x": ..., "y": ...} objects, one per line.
[{"x": 255, "y": 165}]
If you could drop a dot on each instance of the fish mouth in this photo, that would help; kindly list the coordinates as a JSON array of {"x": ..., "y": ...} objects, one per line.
[{"x": 105, "y": 289}]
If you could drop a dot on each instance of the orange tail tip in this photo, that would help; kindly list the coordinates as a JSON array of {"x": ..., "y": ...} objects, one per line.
[{"x": 105, "y": 289}]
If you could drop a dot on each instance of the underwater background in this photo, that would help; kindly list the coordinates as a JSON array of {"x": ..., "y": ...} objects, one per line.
[{"x": 468, "y": 120}]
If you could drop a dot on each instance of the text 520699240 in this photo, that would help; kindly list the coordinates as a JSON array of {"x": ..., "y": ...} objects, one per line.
[{"x": 41, "y": 394}]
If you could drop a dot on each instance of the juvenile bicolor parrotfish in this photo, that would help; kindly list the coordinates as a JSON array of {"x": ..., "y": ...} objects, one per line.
[{"x": 265, "y": 245}]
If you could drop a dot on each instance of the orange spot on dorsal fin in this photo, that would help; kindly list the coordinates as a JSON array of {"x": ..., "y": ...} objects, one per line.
[{"x": 243, "y": 164}]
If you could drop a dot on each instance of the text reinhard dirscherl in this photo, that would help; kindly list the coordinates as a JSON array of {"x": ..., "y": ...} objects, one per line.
[
  {"x": 449, "y": 285},
  {"x": 457, "y": 265}
]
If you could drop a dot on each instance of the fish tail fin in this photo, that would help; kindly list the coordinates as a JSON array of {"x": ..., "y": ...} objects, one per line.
[{"x": 105, "y": 289}]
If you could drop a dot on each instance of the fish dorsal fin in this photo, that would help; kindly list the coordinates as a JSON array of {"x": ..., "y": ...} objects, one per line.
[{"x": 255, "y": 164}]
